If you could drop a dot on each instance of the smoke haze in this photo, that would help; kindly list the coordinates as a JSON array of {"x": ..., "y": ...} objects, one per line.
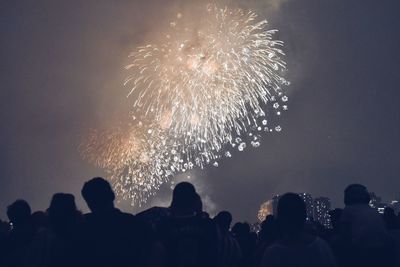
[{"x": 62, "y": 70}]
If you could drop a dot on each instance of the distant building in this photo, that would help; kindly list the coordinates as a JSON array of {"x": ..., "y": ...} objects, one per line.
[
  {"x": 255, "y": 227},
  {"x": 376, "y": 202},
  {"x": 395, "y": 205},
  {"x": 308, "y": 200},
  {"x": 322, "y": 206},
  {"x": 317, "y": 209}
]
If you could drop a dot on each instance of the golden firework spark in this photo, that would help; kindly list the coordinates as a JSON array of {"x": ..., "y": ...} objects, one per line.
[
  {"x": 265, "y": 209},
  {"x": 133, "y": 155},
  {"x": 209, "y": 80},
  {"x": 207, "y": 85}
]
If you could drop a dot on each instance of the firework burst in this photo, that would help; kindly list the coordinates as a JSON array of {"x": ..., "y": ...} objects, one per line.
[
  {"x": 208, "y": 85},
  {"x": 135, "y": 157},
  {"x": 208, "y": 82}
]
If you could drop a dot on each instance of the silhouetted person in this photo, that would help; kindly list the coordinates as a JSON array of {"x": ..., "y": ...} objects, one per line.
[
  {"x": 63, "y": 215},
  {"x": 390, "y": 219},
  {"x": 4, "y": 232},
  {"x": 199, "y": 208},
  {"x": 296, "y": 247},
  {"x": 247, "y": 242},
  {"x": 184, "y": 199},
  {"x": 229, "y": 249},
  {"x": 335, "y": 216},
  {"x": 112, "y": 238},
  {"x": 336, "y": 239},
  {"x": 153, "y": 216},
  {"x": 20, "y": 237},
  {"x": 189, "y": 240},
  {"x": 59, "y": 244},
  {"x": 4, "y": 228},
  {"x": 314, "y": 228},
  {"x": 40, "y": 220},
  {"x": 223, "y": 220},
  {"x": 364, "y": 230},
  {"x": 267, "y": 236},
  {"x": 393, "y": 227}
]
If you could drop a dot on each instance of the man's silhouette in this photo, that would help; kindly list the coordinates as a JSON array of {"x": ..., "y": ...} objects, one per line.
[
  {"x": 20, "y": 237},
  {"x": 296, "y": 247},
  {"x": 229, "y": 252},
  {"x": 112, "y": 238},
  {"x": 58, "y": 244},
  {"x": 364, "y": 230},
  {"x": 189, "y": 239}
]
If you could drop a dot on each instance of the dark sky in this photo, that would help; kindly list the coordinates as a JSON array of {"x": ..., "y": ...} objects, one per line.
[{"x": 61, "y": 72}]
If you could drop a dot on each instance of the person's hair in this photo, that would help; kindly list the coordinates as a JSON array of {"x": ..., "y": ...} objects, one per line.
[
  {"x": 62, "y": 211},
  {"x": 241, "y": 228},
  {"x": 223, "y": 220},
  {"x": 291, "y": 213},
  {"x": 184, "y": 198},
  {"x": 19, "y": 212},
  {"x": 356, "y": 194},
  {"x": 98, "y": 193},
  {"x": 62, "y": 205}
]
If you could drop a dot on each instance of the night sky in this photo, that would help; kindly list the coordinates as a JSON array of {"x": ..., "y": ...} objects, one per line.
[{"x": 61, "y": 72}]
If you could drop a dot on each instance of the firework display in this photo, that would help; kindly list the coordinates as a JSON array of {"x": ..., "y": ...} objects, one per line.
[
  {"x": 204, "y": 87},
  {"x": 135, "y": 157},
  {"x": 265, "y": 209}
]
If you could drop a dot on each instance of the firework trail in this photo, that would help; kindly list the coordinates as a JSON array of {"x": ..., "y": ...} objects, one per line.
[{"x": 204, "y": 87}]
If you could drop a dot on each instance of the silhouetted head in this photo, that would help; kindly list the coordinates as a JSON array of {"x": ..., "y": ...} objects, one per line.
[
  {"x": 223, "y": 220},
  {"x": 19, "y": 212},
  {"x": 62, "y": 208},
  {"x": 356, "y": 194},
  {"x": 98, "y": 194},
  {"x": 291, "y": 213},
  {"x": 185, "y": 200},
  {"x": 39, "y": 219},
  {"x": 241, "y": 229},
  {"x": 268, "y": 230},
  {"x": 335, "y": 216}
]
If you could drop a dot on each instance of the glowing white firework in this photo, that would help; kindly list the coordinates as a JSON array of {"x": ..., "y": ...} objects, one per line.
[
  {"x": 133, "y": 155},
  {"x": 209, "y": 81},
  {"x": 203, "y": 87}
]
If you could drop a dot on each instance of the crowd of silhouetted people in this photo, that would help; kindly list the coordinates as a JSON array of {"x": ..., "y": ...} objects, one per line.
[{"x": 183, "y": 235}]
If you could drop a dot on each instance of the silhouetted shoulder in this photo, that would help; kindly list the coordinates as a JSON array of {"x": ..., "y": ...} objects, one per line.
[{"x": 316, "y": 253}]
